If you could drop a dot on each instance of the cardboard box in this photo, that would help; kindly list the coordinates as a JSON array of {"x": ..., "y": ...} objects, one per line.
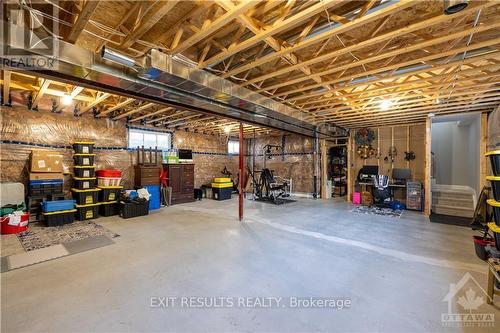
[
  {"x": 46, "y": 161},
  {"x": 45, "y": 175}
]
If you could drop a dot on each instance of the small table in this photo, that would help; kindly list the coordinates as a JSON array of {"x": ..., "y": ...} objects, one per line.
[{"x": 493, "y": 273}]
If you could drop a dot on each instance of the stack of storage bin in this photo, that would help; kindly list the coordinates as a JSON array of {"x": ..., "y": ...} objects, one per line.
[
  {"x": 109, "y": 184},
  {"x": 495, "y": 203},
  {"x": 222, "y": 188},
  {"x": 85, "y": 191},
  {"x": 60, "y": 212}
]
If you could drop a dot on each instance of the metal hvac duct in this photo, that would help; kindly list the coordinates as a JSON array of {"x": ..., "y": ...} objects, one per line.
[
  {"x": 454, "y": 6},
  {"x": 165, "y": 80}
]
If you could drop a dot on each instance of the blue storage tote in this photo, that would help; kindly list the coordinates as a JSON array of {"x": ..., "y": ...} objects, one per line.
[
  {"x": 154, "y": 199},
  {"x": 57, "y": 205}
]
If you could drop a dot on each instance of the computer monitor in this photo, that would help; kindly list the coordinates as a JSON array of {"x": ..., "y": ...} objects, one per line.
[
  {"x": 367, "y": 172},
  {"x": 371, "y": 170},
  {"x": 401, "y": 174}
]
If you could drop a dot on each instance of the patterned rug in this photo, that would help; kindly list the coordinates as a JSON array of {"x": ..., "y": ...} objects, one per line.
[
  {"x": 38, "y": 236},
  {"x": 377, "y": 211}
]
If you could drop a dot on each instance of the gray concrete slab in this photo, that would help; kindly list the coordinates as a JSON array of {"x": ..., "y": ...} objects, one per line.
[{"x": 395, "y": 272}]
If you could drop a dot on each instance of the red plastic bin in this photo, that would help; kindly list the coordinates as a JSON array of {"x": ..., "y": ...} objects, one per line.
[
  {"x": 14, "y": 229},
  {"x": 109, "y": 173}
]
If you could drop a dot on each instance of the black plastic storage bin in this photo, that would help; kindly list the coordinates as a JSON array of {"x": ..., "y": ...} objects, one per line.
[
  {"x": 45, "y": 188},
  {"x": 495, "y": 185},
  {"x": 87, "y": 212},
  {"x": 480, "y": 245},
  {"x": 109, "y": 193},
  {"x": 495, "y": 161},
  {"x": 84, "y": 159},
  {"x": 86, "y": 197},
  {"x": 62, "y": 217},
  {"x": 109, "y": 208},
  {"x": 83, "y": 147},
  {"x": 134, "y": 209},
  {"x": 84, "y": 171},
  {"x": 222, "y": 193},
  {"x": 496, "y": 210},
  {"x": 84, "y": 183}
]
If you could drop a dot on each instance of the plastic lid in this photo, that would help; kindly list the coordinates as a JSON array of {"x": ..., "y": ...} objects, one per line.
[
  {"x": 493, "y": 227},
  {"x": 495, "y": 178},
  {"x": 493, "y": 152},
  {"x": 76, "y": 178},
  {"x": 89, "y": 205},
  {"x": 112, "y": 187},
  {"x": 84, "y": 166},
  {"x": 493, "y": 203},
  {"x": 108, "y": 202},
  {"x": 60, "y": 212},
  {"x": 88, "y": 190}
]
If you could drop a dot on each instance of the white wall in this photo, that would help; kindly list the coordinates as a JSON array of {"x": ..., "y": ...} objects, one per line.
[{"x": 455, "y": 145}]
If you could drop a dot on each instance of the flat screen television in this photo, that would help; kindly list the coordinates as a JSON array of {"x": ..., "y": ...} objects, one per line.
[{"x": 185, "y": 154}]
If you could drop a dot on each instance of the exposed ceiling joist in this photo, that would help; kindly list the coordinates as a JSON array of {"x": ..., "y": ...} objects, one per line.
[
  {"x": 100, "y": 97},
  {"x": 148, "y": 22},
  {"x": 81, "y": 20}
]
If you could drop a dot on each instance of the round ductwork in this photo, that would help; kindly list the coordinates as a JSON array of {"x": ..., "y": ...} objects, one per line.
[{"x": 454, "y": 6}]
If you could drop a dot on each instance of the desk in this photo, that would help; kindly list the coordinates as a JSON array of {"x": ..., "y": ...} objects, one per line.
[{"x": 392, "y": 187}]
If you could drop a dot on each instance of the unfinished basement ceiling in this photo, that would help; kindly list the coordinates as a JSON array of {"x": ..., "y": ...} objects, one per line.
[
  {"x": 347, "y": 63},
  {"x": 44, "y": 94}
]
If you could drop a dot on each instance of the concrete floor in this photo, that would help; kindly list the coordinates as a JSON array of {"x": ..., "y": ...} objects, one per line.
[{"x": 395, "y": 272}]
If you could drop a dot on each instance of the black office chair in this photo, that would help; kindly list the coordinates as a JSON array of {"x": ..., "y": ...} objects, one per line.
[{"x": 381, "y": 191}]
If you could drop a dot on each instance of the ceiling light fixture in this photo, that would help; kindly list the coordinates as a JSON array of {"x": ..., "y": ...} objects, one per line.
[
  {"x": 385, "y": 104},
  {"x": 227, "y": 129},
  {"x": 66, "y": 99}
]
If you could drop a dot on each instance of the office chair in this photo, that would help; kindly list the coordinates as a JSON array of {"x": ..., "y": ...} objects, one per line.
[{"x": 381, "y": 193}]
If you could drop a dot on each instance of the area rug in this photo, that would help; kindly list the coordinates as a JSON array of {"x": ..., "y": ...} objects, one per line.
[
  {"x": 279, "y": 201},
  {"x": 377, "y": 211},
  {"x": 38, "y": 236}
]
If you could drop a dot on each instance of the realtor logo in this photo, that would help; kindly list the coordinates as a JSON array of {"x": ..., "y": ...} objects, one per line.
[
  {"x": 467, "y": 306},
  {"x": 29, "y": 33}
]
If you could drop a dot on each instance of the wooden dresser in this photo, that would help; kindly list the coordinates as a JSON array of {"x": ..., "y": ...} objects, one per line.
[{"x": 181, "y": 179}]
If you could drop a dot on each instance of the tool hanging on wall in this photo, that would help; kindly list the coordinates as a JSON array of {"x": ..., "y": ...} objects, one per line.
[{"x": 409, "y": 155}]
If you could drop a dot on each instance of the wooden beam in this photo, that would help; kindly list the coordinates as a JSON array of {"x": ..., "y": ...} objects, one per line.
[
  {"x": 83, "y": 17},
  {"x": 483, "y": 147},
  {"x": 178, "y": 113},
  {"x": 43, "y": 88},
  {"x": 273, "y": 30},
  {"x": 394, "y": 67},
  {"x": 76, "y": 91},
  {"x": 116, "y": 107},
  {"x": 215, "y": 25},
  {"x": 427, "y": 167},
  {"x": 139, "y": 109},
  {"x": 148, "y": 22},
  {"x": 398, "y": 52},
  {"x": 163, "y": 110},
  {"x": 324, "y": 168},
  {"x": 323, "y": 36},
  {"x": 100, "y": 97},
  {"x": 6, "y": 86}
]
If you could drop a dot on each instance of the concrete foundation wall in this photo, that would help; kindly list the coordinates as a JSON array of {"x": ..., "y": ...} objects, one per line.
[{"x": 23, "y": 130}]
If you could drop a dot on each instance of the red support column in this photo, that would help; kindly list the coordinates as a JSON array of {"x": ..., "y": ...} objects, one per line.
[{"x": 240, "y": 190}]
